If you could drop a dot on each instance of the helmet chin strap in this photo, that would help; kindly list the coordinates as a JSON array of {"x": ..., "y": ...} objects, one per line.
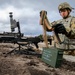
[{"x": 65, "y": 17}]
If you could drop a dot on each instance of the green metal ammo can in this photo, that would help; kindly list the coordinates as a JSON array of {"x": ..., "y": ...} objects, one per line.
[{"x": 52, "y": 56}]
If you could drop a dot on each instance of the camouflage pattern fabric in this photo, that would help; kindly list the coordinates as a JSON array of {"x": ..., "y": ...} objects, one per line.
[{"x": 69, "y": 24}]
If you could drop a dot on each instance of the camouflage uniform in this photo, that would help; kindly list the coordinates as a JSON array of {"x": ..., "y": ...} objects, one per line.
[{"x": 69, "y": 24}]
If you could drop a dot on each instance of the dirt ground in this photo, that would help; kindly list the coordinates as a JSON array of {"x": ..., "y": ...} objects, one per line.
[{"x": 22, "y": 64}]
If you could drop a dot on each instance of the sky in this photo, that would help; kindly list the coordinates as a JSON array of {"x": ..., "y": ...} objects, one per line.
[{"x": 27, "y": 13}]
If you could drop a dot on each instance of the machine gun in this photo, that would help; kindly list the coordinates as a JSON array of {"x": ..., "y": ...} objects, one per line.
[
  {"x": 18, "y": 37},
  {"x": 12, "y": 37}
]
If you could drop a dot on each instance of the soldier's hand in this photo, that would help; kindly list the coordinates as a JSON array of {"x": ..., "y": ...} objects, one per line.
[
  {"x": 41, "y": 13},
  {"x": 42, "y": 16},
  {"x": 59, "y": 28}
]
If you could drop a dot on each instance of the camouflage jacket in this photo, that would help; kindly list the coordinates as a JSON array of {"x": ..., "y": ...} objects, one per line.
[{"x": 69, "y": 24}]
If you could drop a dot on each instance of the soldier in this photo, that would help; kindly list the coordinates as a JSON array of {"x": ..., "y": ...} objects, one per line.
[
  {"x": 69, "y": 23},
  {"x": 64, "y": 27}
]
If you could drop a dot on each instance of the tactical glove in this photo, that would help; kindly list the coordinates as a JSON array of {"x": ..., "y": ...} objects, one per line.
[{"x": 59, "y": 28}]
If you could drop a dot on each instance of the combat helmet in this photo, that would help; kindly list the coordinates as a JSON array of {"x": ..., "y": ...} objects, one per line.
[{"x": 64, "y": 6}]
